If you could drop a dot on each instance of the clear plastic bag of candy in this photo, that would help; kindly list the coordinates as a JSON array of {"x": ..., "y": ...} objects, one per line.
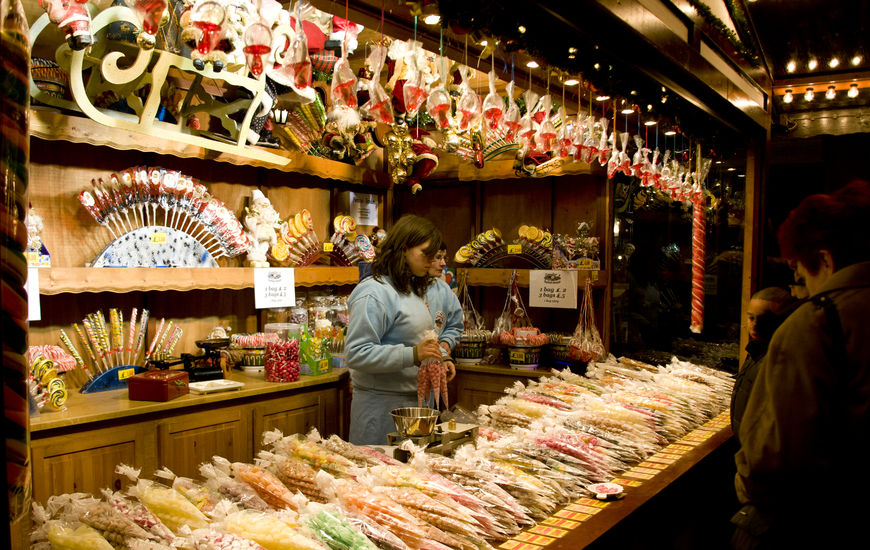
[
  {"x": 468, "y": 107},
  {"x": 493, "y": 104},
  {"x": 585, "y": 344},
  {"x": 343, "y": 88},
  {"x": 379, "y": 106}
]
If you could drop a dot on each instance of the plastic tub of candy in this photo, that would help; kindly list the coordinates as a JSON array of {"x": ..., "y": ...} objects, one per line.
[
  {"x": 524, "y": 357},
  {"x": 470, "y": 350}
]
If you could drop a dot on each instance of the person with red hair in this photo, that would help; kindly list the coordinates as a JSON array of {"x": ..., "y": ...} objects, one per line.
[{"x": 806, "y": 426}]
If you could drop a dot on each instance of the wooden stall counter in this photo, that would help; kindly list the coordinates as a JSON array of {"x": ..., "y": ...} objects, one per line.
[
  {"x": 77, "y": 450},
  {"x": 584, "y": 522},
  {"x": 476, "y": 385}
]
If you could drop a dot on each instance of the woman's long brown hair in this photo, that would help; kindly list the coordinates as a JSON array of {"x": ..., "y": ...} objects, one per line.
[{"x": 408, "y": 232}]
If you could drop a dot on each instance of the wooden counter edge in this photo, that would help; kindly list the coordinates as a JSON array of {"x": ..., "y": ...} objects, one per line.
[
  {"x": 635, "y": 497},
  {"x": 84, "y": 409}
]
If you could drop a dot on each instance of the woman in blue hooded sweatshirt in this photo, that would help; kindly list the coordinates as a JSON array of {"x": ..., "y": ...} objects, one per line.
[{"x": 389, "y": 316}]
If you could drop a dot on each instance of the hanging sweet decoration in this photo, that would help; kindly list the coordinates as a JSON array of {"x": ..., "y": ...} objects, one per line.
[
  {"x": 378, "y": 106},
  {"x": 258, "y": 42},
  {"x": 208, "y": 18},
  {"x": 493, "y": 104},
  {"x": 195, "y": 229},
  {"x": 151, "y": 14},
  {"x": 511, "y": 116}
]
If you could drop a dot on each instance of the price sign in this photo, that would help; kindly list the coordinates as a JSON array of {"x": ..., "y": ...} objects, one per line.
[
  {"x": 553, "y": 289},
  {"x": 327, "y": 247},
  {"x": 518, "y": 357},
  {"x": 158, "y": 238},
  {"x": 323, "y": 365},
  {"x": 34, "y": 312},
  {"x": 514, "y": 249},
  {"x": 364, "y": 208},
  {"x": 274, "y": 287},
  {"x": 124, "y": 374}
]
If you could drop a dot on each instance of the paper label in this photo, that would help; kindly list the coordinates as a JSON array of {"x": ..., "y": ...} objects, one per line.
[
  {"x": 364, "y": 208},
  {"x": 553, "y": 289},
  {"x": 514, "y": 249},
  {"x": 34, "y": 313},
  {"x": 124, "y": 374},
  {"x": 158, "y": 238},
  {"x": 274, "y": 287},
  {"x": 323, "y": 364},
  {"x": 327, "y": 247}
]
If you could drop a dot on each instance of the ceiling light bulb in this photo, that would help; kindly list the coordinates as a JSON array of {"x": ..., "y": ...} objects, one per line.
[
  {"x": 857, "y": 60},
  {"x": 572, "y": 49},
  {"x": 812, "y": 64},
  {"x": 671, "y": 133},
  {"x": 791, "y": 66},
  {"x": 572, "y": 56},
  {"x": 809, "y": 95},
  {"x": 732, "y": 169},
  {"x": 833, "y": 63},
  {"x": 571, "y": 82},
  {"x": 522, "y": 29},
  {"x": 627, "y": 111},
  {"x": 602, "y": 97},
  {"x": 853, "y": 90},
  {"x": 597, "y": 66},
  {"x": 788, "y": 97},
  {"x": 831, "y": 93},
  {"x": 432, "y": 19},
  {"x": 649, "y": 123},
  {"x": 532, "y": 65}
]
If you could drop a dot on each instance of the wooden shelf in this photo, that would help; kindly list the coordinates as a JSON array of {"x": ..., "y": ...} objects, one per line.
[
  {"x": 488, "y": 276},
  {"x": 51, "y": 125},
  {"x": 76, "y": 280}
]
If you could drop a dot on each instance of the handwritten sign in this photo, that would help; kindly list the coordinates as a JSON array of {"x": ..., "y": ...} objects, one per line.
[
  {"x": 158, "y": 238},
  {"x": 514, "y": 249},
  {"x": 553, "y": 289},
  {"x": 364, "y": 208},
  {"x": 124, "y": 374},
  {"x": 274, "y": 287},
  {"x": 327, "y": 247}
]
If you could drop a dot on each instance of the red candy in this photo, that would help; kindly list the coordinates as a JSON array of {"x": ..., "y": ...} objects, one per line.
[{"x": 282, "y": 361}]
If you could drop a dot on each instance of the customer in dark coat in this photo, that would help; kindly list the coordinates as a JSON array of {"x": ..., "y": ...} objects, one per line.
[
  {"x": 765, "y": 312},
  {"x": 805, "y": 434}
]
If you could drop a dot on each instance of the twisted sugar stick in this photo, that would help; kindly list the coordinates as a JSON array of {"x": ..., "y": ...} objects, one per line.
[
  {"x": 140, "y": 338},
  {"x": 699, "y": 260},
  {"x": 85, "y": 344},
  {"x": 163, "y": 336},
  {"x": 129, "y": 349},
  {"x": 95, "y": 342},
  {"x": 154, "y": 340}
]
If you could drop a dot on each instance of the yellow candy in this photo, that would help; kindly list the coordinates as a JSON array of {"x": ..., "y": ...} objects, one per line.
[{"x": 83, "y": 538}]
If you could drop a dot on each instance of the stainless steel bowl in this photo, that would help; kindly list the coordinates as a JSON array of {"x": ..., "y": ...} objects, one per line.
[{"x": 414, "y": 421}]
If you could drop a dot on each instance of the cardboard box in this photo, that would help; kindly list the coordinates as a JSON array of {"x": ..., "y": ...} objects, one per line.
[{"x": 158, "y": 385}]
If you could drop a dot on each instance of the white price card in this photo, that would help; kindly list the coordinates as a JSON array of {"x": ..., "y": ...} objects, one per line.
[
  {"x": 274, "y": 287},
  {"x": 364, "y": 208},
  {"x": 34, "y": 313},
  {"x": 553, "y": 289}
]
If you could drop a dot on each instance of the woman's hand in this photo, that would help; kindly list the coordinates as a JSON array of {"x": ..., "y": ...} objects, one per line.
[
  {"x": 427, "y": 349},
  {"x": 450, "y": 367}
]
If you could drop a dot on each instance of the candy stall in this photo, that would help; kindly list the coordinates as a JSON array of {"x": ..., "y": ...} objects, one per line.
[{"x": 209, "y": 180}]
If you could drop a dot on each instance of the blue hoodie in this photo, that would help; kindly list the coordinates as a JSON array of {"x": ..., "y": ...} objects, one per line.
[{"x": 446, "y": 312}]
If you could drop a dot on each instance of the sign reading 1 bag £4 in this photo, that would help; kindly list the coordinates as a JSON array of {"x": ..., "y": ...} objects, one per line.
[
  {"x": 274, "y": 287},
  {"x": 553, "y": 289}
]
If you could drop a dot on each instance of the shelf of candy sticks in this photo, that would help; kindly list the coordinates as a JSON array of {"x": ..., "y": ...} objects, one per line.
[
  {"x": 113, "y": 352},
  {"x": 488, "y": 249},
  {"x": 303, "y": 127},
  {"x": 299, "y": 245},
  {"x": 131, "y": 199}
]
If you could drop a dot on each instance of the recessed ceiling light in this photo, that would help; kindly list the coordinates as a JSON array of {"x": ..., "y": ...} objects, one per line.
[
  {"x": 602, "y": 97},
  {"x": 532, "y": 65},
  {"x": 857, "y": 60},
  {"x": 812, "y": 64},
  {"x": 627, "y": 111},
  {"x": 673, "y": 133},
  {"x": 432, "y": 19},
  {"x": 572, "y": 49},
  {"x": 522, "y": 29},
  {"x": 732, "y": 169},
  {"x": 649, "y": 123},
  {"x": 791, "y": 66},
  {"x": 571, "y": 82},
  {"x": 597, "y": 66},
  {"x": 834, "y": 63}
]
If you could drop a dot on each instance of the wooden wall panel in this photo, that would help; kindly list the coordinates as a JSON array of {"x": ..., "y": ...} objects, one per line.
[
  {"x": 449, "y": 207},
  {"x": 508, "y": 204}
]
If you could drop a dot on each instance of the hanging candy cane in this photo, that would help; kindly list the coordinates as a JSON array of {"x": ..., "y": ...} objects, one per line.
[{"x": 699, "y": 244}]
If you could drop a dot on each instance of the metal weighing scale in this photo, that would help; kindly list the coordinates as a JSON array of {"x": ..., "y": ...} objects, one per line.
[
  {"x": 200, "y": 368},
  {"x": 445, "y": 438}
]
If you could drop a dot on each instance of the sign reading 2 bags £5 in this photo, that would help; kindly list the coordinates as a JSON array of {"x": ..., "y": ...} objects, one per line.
[{"x": 553, "y": 289}]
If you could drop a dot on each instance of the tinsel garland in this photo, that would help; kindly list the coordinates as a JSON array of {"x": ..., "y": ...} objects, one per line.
[{"x": 707, "y": 15}]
